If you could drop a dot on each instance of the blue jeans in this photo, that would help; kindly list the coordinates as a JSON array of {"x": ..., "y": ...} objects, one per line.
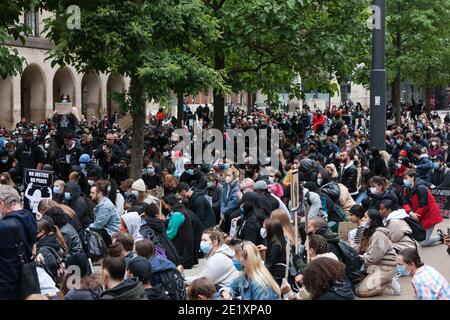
[{"x": 361, "y": 197}]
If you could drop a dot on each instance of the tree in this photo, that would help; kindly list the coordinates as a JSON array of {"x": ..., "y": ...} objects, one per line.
[
  {"x": 152, "y": 42},
  {"x": 11, "y": 29},
  {"x": 417, "y": 50},
  {"x": 266, "y": 44}
]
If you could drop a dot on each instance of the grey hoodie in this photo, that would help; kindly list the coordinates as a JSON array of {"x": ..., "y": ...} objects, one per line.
[
  {"x": 380, "y": 251},
  {"x": 399, "y": 230},
  {"x": 219, "y": 268}
]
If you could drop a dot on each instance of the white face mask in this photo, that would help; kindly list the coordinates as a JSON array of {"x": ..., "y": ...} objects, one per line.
[
  {"x": 46, "y": 145},
  {"x": 166, "y": 153},
  {"x": 374, "y": 191},
  {"x": 271, "y": 179},
  {"x": 91, "y": 182},
  {"x": 263, "y": 233},
  {"x": 434, "y": 143}
]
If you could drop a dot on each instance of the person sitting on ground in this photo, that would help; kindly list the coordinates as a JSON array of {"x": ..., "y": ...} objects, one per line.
[
  {"x": 113, "y": 272},
  {"x": 127, "y": 242},
  {"x": 139, "y": 268},
  {"x": 378, "y": 255},
  {"x": 89, "y": 287},
  {"x": 356, "y": 216},
  {"x": 201, "y": 289},
  {"x": 219, "y": 266},
  {"x": 428, "y": 283}
]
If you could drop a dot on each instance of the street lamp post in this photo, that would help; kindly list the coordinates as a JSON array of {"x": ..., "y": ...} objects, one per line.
[{"x": 378, "y": 79}]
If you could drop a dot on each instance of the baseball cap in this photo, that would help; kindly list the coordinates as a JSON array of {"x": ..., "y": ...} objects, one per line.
[{"x": 140, "y": 268}]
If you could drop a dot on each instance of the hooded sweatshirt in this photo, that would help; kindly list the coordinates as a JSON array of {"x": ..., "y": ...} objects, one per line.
[
  {"x": 399, "y": 230},
  {"x": 126, "y": 290},
  {"x": 133, "y": 223},
  {"x": 380, "y": 250},
  {"x": 219, "y": 268},
  {"x": 78, "y": 204}
]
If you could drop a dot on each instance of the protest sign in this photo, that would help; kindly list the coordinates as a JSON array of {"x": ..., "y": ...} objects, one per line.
[
  {"x": 63, "y": 107},
  {"x": 442, "y": 197},
  {"x": 38, "y": 186}
]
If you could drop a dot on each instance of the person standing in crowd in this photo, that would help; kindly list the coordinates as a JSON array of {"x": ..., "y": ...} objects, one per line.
[
  {"x": 427, "y": 282},
  {"x": 29, "y": 154},
  {"x": 14, "y": 217},
  {"x": 422, "y": 206},
  {"x": 214, "y": 192},
  {"x": 106, "y": 220}
]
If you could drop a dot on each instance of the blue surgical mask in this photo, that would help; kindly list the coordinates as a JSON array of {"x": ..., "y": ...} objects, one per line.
[
  {"x": 190, "y": 172},
  {"x": 211, "y": 184},
  {"x": 205, "y": 247},
  {"x": 263, "y": 233},
  {"x": 67, "y": 196},
  {"x": 56, "y": 189},
  {"x": 83, "y": 165},
  {"x": 406, "y": 183},
  {"x": 436, "y": 165},
  {"x": 4, "y": 160},
  {"x": 237, "y": 264},
  {"x": 402, "y": 270},
  {"x": 150, "y": 170}
]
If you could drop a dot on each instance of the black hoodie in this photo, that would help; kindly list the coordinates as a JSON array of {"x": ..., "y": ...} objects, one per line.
[
  {"x": 156, "y": 293},
  {"x": 126, "y": 290},
  {"x": 78, "y": 204},
  {"x": 202, "y": 208}
]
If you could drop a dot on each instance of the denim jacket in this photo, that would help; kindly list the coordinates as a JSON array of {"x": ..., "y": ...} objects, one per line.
[
  {"x": 230, "y": 202},
  {"x": 106, "y": 217},
  {"x": 248, "y": 289}
]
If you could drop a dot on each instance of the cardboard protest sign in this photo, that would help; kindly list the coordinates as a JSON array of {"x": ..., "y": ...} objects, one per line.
[
  {"x": 126, "y": 122},
  {"x": 295, "y": 191},
  {"x": 63, "y": 107},
  {"x": 38, "y": 186}
]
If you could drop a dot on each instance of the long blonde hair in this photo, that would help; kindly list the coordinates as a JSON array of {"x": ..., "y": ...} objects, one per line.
[
  {"x": 282, "y": 218},
  {"x": 46, "y": 204},
  {"x": 254, "y": 267}
]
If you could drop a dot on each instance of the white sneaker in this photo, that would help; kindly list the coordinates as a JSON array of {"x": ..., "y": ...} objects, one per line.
[{"x": 395, "y": 288}]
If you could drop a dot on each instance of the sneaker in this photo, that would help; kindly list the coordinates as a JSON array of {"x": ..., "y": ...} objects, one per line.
[
  {"x": 394, "y": 289},
  {"x": 441, "y": 235}
]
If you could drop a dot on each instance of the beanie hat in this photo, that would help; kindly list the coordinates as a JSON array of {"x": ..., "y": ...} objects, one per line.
[{"x": 139, "y": 185}]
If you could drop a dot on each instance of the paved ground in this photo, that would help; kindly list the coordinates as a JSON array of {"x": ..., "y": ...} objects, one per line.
[{"x": 436, "y": 257}]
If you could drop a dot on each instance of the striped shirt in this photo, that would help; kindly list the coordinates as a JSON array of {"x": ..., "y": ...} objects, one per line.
[{"x": 429, "y": 284}]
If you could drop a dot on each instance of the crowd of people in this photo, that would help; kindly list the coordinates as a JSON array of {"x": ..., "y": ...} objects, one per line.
[{"x": 365, "y": 214}]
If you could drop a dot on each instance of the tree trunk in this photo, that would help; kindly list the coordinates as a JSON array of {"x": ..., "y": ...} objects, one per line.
[
  {"x": 428, "y": 94},
  {"x": 138, "y": 114},
  {"x": 180, "y": 106},
  {"x": 249, "y": 102},
  {"x": 219, "y": 97}
]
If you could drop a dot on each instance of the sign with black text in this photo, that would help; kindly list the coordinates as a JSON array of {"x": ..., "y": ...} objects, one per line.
[
  {"x": 38, "y": 186},
  {"x": 442, "y": 197}
]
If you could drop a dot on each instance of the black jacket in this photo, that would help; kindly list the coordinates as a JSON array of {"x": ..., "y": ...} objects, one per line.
[
  {"x": 378, "y": 167},
  {"x": 9, "y": 269},
  {"x": 349, "y": 178},
  {"x": 250, "y": 230},
  {"x": 275, "y": 254},
  {"x": 184, "y": 242},
  {"x": 202, "y": 209},
  {"x": 157, "y": 227},
  {"x": 72, "y": 240},
  {"x": 78, "y": 204},
  {"x": 156, "y": 293},
  {"x": 440, "y": 178},
  {"x": 126, "y": 290},
  {"x": 342, "y": 290},
  {"x": 386, "y": 194},
  {"x": 29, "y": 156},
  {"x": 152, "y": 181}
]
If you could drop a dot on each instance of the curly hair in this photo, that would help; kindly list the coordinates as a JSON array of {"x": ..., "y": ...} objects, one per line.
[{"x": 321, "y": 274}]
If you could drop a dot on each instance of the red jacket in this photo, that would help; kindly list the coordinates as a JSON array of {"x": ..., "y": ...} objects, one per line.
[
  {"x": 423, "y": 204},
  {"x": 317, "y": 121}
]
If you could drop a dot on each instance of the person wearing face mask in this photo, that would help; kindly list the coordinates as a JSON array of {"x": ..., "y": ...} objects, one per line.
[
  {"x": 14, "y": 217},
  {"x": 151, "y": 178},
  {"x": 428, "y": 283},
  {"x": 439, "y": 177},
  {"x": 400, "y": 144},
  {"x": 377, "y": 164},
  {"x": 198, "y": 204},
  {"x": 76, "y": 202},
  {"x": 318, "y": 122},
  {"x": 421, "y": 205},
  {"x": 120, "y": 171},
  {"x": 214, "y": 191},
  {"x": 274, "y": 185},
  {"x": 423, "y": 163},
  {"x": 330, "y": 148},
  {"x": 58, "y": 191},
  {"x": 230, "y": 200},
  {"x": 29, "y": 154},
  {"x": 446, "y": 152},
  {"x": 192, "y": 176},
  {"x": 275, "y": 258},
  {"x": 219, "y": 267},
  {"x": 379, "y": 191},
  {"x": 435, "y": 148}
]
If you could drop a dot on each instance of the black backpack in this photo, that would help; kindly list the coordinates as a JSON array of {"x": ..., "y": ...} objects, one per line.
[
  {"x": 418, "y": 232},
  {"x": 352, "y": 262},
  {"x": 173, "y": 283},
  {"x": 93, "y": 245},
  {"x": 53, "y": 263}
]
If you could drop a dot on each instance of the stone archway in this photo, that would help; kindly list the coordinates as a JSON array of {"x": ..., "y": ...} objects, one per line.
[
  {"x": 91, "y": 96},
  {"x": 114, "y": 84},
  {"x": 6, "y": 102},
  {"x": 63, "y": 84},
  {"x": 33, "y": 97}
]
